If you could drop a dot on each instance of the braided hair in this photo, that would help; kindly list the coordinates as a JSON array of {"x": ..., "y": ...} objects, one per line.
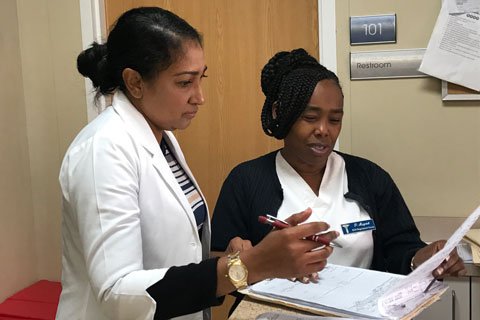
[{"x": 288, "y": 81}]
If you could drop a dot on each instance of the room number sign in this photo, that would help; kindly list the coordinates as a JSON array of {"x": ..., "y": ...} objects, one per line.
[{"x": 373, "y": 29}]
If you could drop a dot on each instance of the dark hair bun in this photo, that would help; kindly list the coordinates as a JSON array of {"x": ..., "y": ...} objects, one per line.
[
  {"x": 92, "y": 61},
  {"x": 280, "y": 65}
]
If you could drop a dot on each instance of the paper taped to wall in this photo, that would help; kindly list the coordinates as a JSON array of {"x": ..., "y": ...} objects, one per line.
[
  {"x": 453, "y": 53},
  {"x": 463, "y": 6}
]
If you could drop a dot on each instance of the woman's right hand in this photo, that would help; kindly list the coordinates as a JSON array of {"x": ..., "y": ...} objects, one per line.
[{"x": 286, "y": 253}]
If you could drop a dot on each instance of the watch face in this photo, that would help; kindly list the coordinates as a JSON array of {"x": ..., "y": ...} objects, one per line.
[{"x": 236, "y": 273}]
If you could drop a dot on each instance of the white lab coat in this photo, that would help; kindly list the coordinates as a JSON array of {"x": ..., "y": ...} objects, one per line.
[{"x": 125, "y": 218}]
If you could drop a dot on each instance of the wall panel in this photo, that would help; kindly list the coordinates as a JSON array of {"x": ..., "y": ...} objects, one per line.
[
  {"x": 430, "y": 147},
  {"x": 17, "y": 249}
]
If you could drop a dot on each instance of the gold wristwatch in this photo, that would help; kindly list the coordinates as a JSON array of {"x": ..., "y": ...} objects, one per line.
[{"x": 236, "y": 271}]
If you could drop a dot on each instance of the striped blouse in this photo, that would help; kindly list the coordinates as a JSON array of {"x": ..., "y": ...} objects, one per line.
[{"x": 193, "y": 196}]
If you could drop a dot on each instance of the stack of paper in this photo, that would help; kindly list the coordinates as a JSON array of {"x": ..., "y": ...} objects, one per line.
[
  {"x": 285, "y": 316},
  {"x": 361, "y": 293},
  {"x": 408, "y": 293},
  {"x": 341, "y": 291},
  {"x": 464, "y": 251},
  {"x": 473, "y": 238}
]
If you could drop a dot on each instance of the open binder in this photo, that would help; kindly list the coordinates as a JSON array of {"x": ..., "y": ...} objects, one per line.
[{"x": 341, "y": 291}]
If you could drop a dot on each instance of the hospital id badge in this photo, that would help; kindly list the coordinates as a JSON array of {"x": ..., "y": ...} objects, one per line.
[{"x": 358, "y": 226}]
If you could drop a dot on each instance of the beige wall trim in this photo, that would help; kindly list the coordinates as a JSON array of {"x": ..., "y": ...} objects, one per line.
[
  {"x": 92, "y": 14},
  {"x": 327, "y": 34},
  {"x": 327, "y": 38}
]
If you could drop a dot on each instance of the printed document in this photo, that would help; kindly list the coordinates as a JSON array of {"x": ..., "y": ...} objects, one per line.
[
  {"x": 342, "y": 291},
  {"x": 406, "y": 294},
  {"x": 463, "y": 6},
  {"x": 464, "y": 250},
  {"x": 453, "y": 53}
]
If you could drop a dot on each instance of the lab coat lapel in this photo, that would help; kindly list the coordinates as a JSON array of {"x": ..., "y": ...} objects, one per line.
[{"x": 138, "y": 126}]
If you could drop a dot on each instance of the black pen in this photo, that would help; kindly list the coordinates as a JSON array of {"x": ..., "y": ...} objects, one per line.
[{"x": 429, "y": 285}]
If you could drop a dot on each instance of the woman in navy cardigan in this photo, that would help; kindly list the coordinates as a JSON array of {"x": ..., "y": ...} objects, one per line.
[{"x": 304, "y": 108}]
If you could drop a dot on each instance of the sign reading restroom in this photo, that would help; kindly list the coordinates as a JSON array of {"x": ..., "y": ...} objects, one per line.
[{"x": 386, "y": 64}]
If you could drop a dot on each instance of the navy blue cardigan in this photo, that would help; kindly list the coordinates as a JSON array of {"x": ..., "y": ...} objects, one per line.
[{"x": 253, "y": 189}]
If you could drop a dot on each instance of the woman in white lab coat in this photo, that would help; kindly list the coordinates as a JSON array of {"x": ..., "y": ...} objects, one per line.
[{"x": 136, "y": 228}]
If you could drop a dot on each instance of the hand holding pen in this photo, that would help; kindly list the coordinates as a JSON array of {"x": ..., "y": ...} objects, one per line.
[
  {"x": 294, "y": 220},
  {"x": 286, "y": 252},
  {"x": 452, "y": 266},
  {"x": 280, "y": 224}
]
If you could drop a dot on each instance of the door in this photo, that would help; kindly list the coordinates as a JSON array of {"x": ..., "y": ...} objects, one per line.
[{"x": 239, "y": 38}]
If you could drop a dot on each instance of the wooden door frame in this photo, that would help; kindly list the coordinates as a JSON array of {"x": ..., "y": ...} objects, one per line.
[{"x": 327, "y": 35}]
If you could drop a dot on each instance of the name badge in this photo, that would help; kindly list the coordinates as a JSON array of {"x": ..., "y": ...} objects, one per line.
[{"x": 358, "y": 226}]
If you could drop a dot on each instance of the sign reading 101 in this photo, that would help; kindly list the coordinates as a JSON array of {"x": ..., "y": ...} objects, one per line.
[{"x": 373, "y": 29}]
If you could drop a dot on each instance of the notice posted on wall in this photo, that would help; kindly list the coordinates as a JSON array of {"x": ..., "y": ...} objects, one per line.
[
  {"x": 463, "y": 6},
  {"x": 453, "y": 53}
]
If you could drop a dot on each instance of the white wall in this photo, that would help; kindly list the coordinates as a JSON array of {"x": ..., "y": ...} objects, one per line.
[
  {"x": 17, "y": 250},
  {"x": 43, "y": 108},
  {"x": 431, "y": 148}
]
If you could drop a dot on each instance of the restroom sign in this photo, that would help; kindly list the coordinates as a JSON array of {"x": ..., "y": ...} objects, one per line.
[{"x": 386, "y": 64}]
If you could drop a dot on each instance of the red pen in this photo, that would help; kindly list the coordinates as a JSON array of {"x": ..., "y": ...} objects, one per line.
[{"x": 280, "y": 224}]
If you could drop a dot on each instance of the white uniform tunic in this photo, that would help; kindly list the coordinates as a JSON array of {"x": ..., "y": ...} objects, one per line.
[{"x": 329, "y": 206}]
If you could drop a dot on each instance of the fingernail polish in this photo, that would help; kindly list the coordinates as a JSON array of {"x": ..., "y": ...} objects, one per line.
[{"x": 439, "y": 271}]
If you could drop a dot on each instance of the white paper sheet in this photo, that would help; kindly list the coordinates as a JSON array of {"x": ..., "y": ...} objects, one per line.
[
  {"x": 408, "y": 292},
  {"x": 362, "y": 293},
  {"x": 453, "y": 53},
  {"x": 342, "y": 290},
  {"x": 463, "y": 6},
  {"x": 465, "y": 252},
  {"x": 289, "y": 316}
]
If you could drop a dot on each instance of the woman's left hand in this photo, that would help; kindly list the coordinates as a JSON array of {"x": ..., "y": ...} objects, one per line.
[
  {"x": 238, "y": 244},
  {"x": 452, "y": 266},
  {"x": 313, "y": 277}
]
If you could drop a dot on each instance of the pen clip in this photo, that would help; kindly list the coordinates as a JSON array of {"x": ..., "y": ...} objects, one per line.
[{"x": 277, "y": 219}]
